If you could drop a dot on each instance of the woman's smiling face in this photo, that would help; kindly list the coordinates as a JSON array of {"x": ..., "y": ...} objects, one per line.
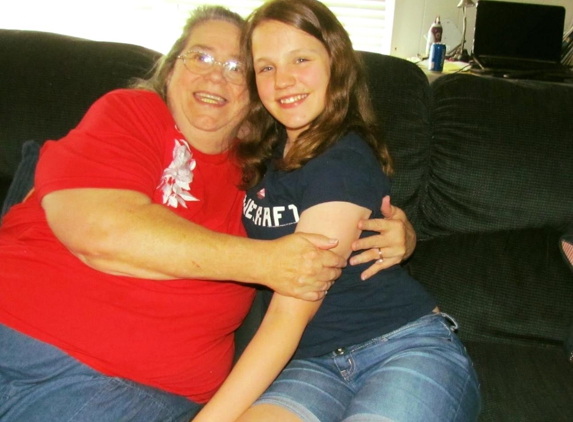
[
  {"x": 207, "y": 107},
  {"x": 292, "y": 72}
]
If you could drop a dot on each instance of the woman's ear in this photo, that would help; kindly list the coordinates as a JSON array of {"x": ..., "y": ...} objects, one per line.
[
  {"x": 168, "y": 80},
  {"x": 244, "y": 130}
]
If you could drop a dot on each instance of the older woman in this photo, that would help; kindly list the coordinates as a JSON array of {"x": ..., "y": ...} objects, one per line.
[{"x": 108, "y": 303}]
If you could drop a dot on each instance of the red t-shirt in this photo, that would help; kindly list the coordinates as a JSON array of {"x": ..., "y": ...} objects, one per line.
[{"x": 175, "y": 335}]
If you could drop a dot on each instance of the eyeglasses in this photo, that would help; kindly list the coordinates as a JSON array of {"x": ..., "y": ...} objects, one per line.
[{"x": 201, "y": 63}]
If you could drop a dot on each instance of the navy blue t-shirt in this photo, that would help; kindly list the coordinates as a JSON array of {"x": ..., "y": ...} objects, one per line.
[{"x": 354, "y": 311}]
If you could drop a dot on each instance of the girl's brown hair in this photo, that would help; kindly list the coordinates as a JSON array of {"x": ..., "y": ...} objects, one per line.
[{"x": 348, "y": 106}]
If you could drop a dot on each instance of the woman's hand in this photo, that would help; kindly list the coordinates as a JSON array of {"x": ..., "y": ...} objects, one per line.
[
  {"x": 301, "y": 266},
  {"x": 396, "y": 241}
]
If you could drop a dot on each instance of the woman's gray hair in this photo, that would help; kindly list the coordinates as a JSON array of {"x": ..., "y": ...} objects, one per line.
[{"x": 157, "y": 82}]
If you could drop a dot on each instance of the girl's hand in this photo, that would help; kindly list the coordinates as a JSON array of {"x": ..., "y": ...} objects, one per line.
[{"x": 396, "y": 241}]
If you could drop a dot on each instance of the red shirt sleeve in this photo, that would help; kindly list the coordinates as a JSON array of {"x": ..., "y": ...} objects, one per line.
[{"x": 118, "y": 144}]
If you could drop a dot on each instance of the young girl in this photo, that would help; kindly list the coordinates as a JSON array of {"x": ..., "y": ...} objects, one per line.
[{"x": 376, "y": 350}]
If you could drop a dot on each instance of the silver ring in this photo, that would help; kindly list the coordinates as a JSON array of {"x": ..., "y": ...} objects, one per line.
[{"x": 380, "y": 257}]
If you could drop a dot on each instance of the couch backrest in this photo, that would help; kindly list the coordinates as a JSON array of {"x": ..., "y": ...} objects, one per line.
[
  {"x": 402, "y": 99},
  {"x": 48, "y": 81},
  {"x": 471, "y": 153},
  {"x": 501, "y": 156}
]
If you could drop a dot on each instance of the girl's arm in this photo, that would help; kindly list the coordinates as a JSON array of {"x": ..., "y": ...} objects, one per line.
[{"x": 283, "y": 325}]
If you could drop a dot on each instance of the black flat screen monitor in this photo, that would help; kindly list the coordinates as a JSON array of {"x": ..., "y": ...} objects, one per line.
[{"x": 518, "y": 30}]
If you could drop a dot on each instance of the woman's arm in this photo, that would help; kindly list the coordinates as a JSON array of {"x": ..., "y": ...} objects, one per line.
[
  {"x": 122, "y": 232},
  {"x": 283, "y": 325}
]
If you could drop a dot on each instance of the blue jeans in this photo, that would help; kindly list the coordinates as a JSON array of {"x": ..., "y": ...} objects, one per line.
[
  {"x": 39, "y": 382},
  {"x": 420, "y": 372}
]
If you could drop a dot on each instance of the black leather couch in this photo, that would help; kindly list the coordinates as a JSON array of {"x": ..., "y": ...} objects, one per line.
[{"x": 484, "y": 170}]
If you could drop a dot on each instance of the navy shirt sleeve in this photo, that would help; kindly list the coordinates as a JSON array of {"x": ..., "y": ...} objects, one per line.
[{"x": 347, "y": 172}]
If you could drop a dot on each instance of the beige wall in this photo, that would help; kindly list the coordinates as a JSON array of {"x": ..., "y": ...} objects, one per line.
[{"x": 414, "y": 17}]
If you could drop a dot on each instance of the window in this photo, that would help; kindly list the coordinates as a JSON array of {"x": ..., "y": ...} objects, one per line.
[{"x": 156, "y": 24}]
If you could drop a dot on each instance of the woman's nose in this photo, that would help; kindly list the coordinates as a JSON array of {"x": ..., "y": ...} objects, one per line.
[{"x": 216, "y": 73}]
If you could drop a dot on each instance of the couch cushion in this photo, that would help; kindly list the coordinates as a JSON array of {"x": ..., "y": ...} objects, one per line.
[
  {"x": 523, "y": 383},
  {"x": 510, "y": 286},
  {"x": 501, "y": 156},
  {"x": 5, "y": 182},
  {"x": 24, "y": 177},
  {"x": 401, "y": 96}
]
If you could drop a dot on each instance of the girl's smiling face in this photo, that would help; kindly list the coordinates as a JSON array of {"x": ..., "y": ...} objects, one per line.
[{"x": 292, "y": 71}]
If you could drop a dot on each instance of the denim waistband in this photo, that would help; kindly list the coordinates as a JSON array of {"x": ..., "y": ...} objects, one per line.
[{"x": 448, "y": 319}]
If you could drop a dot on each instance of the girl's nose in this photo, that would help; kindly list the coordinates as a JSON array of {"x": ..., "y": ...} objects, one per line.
[{"x": 283, "y": 79}]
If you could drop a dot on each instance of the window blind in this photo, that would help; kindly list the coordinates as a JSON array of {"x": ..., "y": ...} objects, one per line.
[
  {"x": 156, "y": 24},
  {"x": 368, "y": 22}
]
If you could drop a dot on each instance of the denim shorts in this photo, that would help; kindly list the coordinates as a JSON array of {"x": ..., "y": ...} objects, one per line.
[
  {"x": 419, "y": 372},
  {"x": 39, "y": 382}
]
